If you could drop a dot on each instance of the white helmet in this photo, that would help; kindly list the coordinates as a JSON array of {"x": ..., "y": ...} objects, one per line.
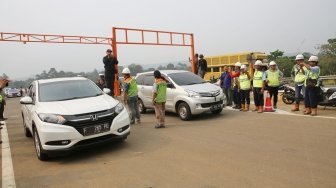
[
  {"x": 258, "y": 62},
  {"x": 243, "y": 67},
  {"x": 238, "y": 64},
  {"x": 313, "y": 58},
  {"x": 299, "y": 57},
  {"x": 272, "y": 63},
  {"x": 126, "y": 71}
]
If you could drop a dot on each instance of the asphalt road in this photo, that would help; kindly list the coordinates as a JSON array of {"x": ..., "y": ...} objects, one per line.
[{"x": 232, "y": 149}]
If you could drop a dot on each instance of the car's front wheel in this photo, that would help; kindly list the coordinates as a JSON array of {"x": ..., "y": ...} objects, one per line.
[
  {"x": 142, "y": 108},
  {"x": 183, "y": 111},
  {"x": 38, "y": 147}
]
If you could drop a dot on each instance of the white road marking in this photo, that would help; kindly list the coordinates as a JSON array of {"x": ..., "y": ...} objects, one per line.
[{"x": 8, "y": 178}]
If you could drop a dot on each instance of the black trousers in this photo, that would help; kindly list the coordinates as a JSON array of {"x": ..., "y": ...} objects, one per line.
[
  {"x": 2, "y": 108},
  {"x": 245, "y": 96},
  {"x": 236, "y": 96},
  {"x": 274, "y": 92},
  {"x": 258, "y": 96},
  {"x": 109, "y": 78}
]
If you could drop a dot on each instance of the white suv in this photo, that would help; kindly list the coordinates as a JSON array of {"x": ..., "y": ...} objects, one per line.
[
  {"x": 187, "y": 93},
  {"x": 65, "y": 114}
]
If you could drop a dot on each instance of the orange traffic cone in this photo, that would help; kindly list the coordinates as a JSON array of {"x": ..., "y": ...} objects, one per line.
[{"x": 268, "y": 104}]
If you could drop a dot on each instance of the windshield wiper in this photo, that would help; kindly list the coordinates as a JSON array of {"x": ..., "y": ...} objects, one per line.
[{"x": 193, "y": 83}]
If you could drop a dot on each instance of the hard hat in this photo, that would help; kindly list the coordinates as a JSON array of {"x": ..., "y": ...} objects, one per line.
[
  {"x": 157, "y": 73},
  {"x": 299, "y": 57},
  {"x": 126, "y": 71},
  {"x": 243, "y": 67},
  {"x": 313, "y": 58},
  {"x": 258, "y": 62},
  {"x": 238, "y": 64},
  {"x": 272, "y": 63}
]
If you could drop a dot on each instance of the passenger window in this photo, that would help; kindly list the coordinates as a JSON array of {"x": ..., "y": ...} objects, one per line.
[
  {"x": 139, "y": 80},
  {"x": 148, "y": 80}
]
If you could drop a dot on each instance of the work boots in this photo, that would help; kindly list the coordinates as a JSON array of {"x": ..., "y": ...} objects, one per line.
[
  {"x": 307, "y": 111},
  {"x": 313, "y": 112},
  {"x": 247, "y": 108},
  {"x": 295, "y": 108},
  {"x": 261, "y": 109},
  {"x": 242, "y": 107}
]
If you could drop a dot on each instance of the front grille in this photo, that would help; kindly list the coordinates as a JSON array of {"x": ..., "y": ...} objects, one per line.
[
  {"x": 210, "y": 94},
  {"x": 207, "y": 105},
  {"x": 83, "y": 120},
  {"x": 96, "y": 140}
]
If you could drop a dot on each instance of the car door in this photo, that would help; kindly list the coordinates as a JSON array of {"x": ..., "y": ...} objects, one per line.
[
  {"x": 148, "y": 90},
  {"x": 170, "y": 95},
  {"x": 30, "y": 108}
]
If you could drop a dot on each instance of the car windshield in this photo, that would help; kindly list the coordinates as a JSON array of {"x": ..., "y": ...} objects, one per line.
[
  {"x": 186, "y": 78},
  {"x": 67, "y": 90},
  {"x": 13, "y": 91}
]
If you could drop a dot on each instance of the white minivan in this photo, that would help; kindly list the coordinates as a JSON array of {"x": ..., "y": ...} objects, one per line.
[
  {"x": 187, "y": 93},
  {"x": 66, "y": 114}
]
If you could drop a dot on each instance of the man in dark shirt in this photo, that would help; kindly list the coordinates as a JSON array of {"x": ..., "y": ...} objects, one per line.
[
  {"x": 202, "y": 66},
  {"x": 110, "y": 63}
]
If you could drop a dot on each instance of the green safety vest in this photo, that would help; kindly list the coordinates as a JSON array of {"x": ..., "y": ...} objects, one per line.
[
  {"x": 133, "y": 87},
  {"x": 312, "y": 75},
  {"x": 245, "y": 83},
  {"x": 1, "y": 98},
  {"x": 273, "y": 78},
  {"x": 161, "y": 90},
  {"x": 300, "y": 77},
  {"x": 257, "y": 79}
]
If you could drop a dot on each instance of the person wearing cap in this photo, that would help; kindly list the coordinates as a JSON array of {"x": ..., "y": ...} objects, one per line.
[
  {"x": 312, "y": 86},
  {"x": 298, "y": 74},
  {"x": 273, "y": 80},
  {"x": 244, "y": 87},
  {"x": 3, "y": 84},
  {"x": 259, "y": 78},
  {"x": 131, "y": 95},
  {"x": 236, "y": 94},
  {"x": 195, "y": 62},
  {"x": 225, "y": 83},
  {"x": 202, "y": 66},
  {"x": 110, "y": 63},
  {"x": 159, "y": 98}
]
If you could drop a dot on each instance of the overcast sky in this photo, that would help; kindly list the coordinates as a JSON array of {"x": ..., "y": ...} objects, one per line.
[{"x": 219, "y": 26}]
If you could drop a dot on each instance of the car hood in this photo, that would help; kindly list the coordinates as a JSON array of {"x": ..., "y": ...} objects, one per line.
[
  {"x": 78, "y": 106},
  {"x": 202, "y": 88}
]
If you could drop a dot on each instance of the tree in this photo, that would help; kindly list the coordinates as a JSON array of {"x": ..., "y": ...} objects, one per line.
[
  {"x": 135, "y": 69},
  {"x": 170, "y": 66},
  {"x": 327, "y": 57},
  {"x": 274, "y": 55}
]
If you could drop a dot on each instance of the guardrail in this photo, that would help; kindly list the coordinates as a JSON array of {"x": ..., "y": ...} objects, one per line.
[{"x": 326, "y": 80}]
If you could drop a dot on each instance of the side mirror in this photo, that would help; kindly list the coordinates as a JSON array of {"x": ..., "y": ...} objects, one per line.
[
  {"x": 170, "y": 85},
  {"x": 26, "y": 100},
  {"x": 107, "y": 90}
]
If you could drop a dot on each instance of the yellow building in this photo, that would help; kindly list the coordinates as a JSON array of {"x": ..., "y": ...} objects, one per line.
[{"x": 216, "y": 63}]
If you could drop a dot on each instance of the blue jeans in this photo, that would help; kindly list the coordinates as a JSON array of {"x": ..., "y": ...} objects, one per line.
[
  {"x": 298, "y": 90},
  {"x": 133, "y": 107},
  {"x": 311, "y": 97},
  {"x": 228, "y": 95}
]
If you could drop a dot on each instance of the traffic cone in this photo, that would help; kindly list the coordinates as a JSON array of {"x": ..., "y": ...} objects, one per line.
[{"x": 268, "y": 104}]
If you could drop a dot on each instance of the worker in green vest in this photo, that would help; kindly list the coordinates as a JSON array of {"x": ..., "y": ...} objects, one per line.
[
  {"x": 273, "y": 80},
  {"x": 298, "y": 74},
  {"x": 259, "y": 78},
  {"x": 159, "y": 98},
  {"x": 312, "y": 86},
  {"x": 244, "y": 87},
  {"x": 131, "y": 95}
]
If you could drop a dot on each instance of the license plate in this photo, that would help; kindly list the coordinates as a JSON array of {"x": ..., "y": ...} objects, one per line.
[
  {"x": 96, "y": 129},
  {"x": 216, "y": 107}
]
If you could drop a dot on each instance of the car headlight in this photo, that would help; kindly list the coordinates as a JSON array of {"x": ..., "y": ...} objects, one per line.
[
  {"x": 193, "y": 94},
  {"x": 51, "y": 118},
  {"x": 119, "y": 108}
]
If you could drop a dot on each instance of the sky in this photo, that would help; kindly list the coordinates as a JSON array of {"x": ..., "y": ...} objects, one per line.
[{"x": 219, "y": 27}]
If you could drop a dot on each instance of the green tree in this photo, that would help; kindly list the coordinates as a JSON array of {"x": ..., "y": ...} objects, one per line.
[
  {"x": 274, "y": 55},
  {"x": 327, "y": 57}
]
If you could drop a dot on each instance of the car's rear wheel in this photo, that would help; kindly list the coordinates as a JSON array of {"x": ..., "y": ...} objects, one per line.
[
  {"x": 184, "y": 112},
  {"x": 142, "y": 108},
  {"x": 25, "y": 128},
  {"x": 38, "y": 147}
]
